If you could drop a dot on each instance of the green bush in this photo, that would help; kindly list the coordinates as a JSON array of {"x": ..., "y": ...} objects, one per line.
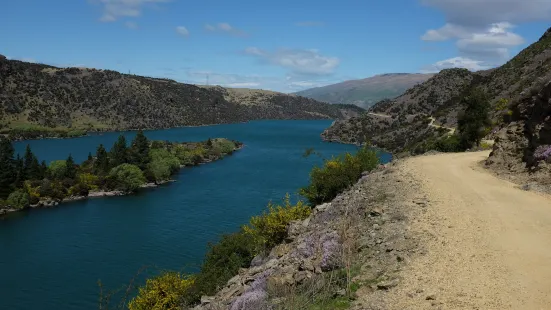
[
  {"x": 270, "y": 228},
  {"x": 163, "y": 292},
  {"x": 338, "y": 174},
  {"x": 222, "y": 261},
  {"x": 127, "y": 177},
  {"x": 18, "y": 199}
]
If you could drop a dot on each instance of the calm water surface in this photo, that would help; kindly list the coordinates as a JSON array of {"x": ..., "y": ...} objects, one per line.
[{"x": 53, "y": 258}]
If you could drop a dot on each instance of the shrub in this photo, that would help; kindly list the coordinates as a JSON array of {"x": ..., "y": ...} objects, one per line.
[
  {"x": 224, "y": 146},
  {"x": 18, "y": 199},
  {"x": 222, "y": 261},
  {"x": 270, "y": 228},
  {"x": 163, "y": 292},
  {"x": 127, "y": 177},
  {"x": 337, "y": 174},
  {"x": 449, "y": 144}
]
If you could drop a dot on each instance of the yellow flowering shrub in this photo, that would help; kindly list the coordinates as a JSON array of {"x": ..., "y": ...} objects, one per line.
[
  {"x": 270, "y": 228},
  {"x": 33, "y": 192},
  {"x": 163, "y": 292}
]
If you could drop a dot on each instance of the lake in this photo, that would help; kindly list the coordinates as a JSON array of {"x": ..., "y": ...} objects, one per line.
[{"x": 53, "y": 258}]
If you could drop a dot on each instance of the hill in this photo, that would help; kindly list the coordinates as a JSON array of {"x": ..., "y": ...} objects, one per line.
[
  {"x": 366, "y": 92},
  {"x": 37, "y": 99},
  {"x": 429, "y": 110}
]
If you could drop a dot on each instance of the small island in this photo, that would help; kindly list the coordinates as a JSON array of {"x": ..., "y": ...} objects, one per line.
[{"x": 25, "y": 182}]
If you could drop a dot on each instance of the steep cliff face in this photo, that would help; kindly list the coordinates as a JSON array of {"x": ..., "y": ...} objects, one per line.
[{"x": 81, "y": 98}]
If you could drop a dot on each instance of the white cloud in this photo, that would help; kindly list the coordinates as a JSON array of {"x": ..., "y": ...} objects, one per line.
[
  {"x": 456, "y": 62},
  {"x": 480, "y": 13},
  {"x": 483, "y": 29},
  {"x": 115, "y": 9},
  {"x": 308, "y": 62},
  {"x": 310, "y": 24},
  {"x": 181, "y": 30},
  {"x": 287, "y": 83},
  {"x": 131, "y": 25},
  {"x": 225, "y": 28}
]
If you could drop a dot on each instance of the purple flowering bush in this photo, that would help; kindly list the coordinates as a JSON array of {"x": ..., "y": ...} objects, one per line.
[{"x": 542, "y": 152}]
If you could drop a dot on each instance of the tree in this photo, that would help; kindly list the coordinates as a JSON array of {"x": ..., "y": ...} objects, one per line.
[
  {"x": 128, "y": 177},
  {"x": 44, "y": 169},
  {"x": 7, "y": 167},
  {"x": 58, "y": 169},
  {"x": 71, "y": 168},
  {"x": 32, "y": 169},
  {"x": 139, "y": 151},
  {"x": 19, "y": 171},
  {"x": 163, "y": 164},
  {"x": 473, "y": 122},
  {"x": 119, "y": 152},
  {"x": 101, "y": 165}
]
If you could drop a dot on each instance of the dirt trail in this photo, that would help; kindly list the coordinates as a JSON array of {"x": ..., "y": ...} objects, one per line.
[{"x": 487, "y": 243}]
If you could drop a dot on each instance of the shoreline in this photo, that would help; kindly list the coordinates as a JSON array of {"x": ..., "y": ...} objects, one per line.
[{"x": 115, "y": 193}]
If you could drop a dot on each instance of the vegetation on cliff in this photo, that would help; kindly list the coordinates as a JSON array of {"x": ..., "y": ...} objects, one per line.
[
  {"x": 39, "y": 100},
  {"x": 255, "y": 240},
  {"x": 24, "y": 181}
]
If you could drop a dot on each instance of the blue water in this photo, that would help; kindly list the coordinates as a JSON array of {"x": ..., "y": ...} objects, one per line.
[{"x": 53, "y": 258}]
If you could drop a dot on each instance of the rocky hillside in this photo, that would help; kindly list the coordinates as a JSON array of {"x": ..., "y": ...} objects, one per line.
[
  {"x": 430, "y": 109},
  {"x": 42, "y": 96},
  {"x": 349, "y": 248},
  {"x": 524, "y": 143},
  {"x": 366, "y": 92}
]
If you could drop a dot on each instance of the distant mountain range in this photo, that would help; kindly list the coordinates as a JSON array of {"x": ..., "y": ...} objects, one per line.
[
  {"x": 366, "y": 92},
  {"x": 46, "y": 100}
]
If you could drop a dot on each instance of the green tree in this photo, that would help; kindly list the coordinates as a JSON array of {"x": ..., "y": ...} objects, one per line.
[
  {"x": 7, "y": 167},
  {"x": 119, "y": 152},
  {"x": 473, "y": 122},
  {"x": 44, "y": 169},
  {"x": 19, "y": 171},
  {"x": 58, "y": 169},
  {"x": 18, "y": 199},
  {"x": 127, "y": 177},
  {"x": 71, "y": 169},
  {"x": 139, "y": 151},
  {"x": 31, "y": 165},
  {"x": 163, "y": 164},
  {"x": 101, "y": 165}
]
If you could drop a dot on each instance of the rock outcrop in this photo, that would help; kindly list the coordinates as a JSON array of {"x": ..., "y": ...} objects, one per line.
[{"x": 362, "y": 232}]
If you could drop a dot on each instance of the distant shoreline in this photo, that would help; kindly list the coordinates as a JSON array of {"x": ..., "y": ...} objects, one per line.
[{"x": 115, "y": 193}]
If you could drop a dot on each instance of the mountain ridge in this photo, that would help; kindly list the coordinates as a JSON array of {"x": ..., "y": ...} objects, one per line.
[
  {"x": 408, "y": 124},
  {"x": 44, "y": 98},
  {"x": 368, "y": 91}
]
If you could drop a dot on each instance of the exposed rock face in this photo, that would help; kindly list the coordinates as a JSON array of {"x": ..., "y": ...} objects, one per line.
[
  {"x": 93, "y": 99},
  {"x": 365, "y": 227},
  {"x": 525, "y": 143}
]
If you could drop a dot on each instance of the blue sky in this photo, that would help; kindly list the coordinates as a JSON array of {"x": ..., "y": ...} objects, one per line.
[{"x": 280, "y": 45}]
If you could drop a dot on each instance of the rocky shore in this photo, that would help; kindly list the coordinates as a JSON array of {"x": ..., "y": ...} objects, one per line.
[{"x": 363, "y": 233}]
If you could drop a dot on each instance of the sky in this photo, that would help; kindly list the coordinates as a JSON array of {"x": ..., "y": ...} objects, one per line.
[{"x": 278, "y": 45}]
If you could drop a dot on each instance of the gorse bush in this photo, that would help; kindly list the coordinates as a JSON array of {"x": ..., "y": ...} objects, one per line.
[
  {"x": 163, "y": 292},
  {"x": 270, "y": 228},
  {"x": 337, "y": 174}
]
